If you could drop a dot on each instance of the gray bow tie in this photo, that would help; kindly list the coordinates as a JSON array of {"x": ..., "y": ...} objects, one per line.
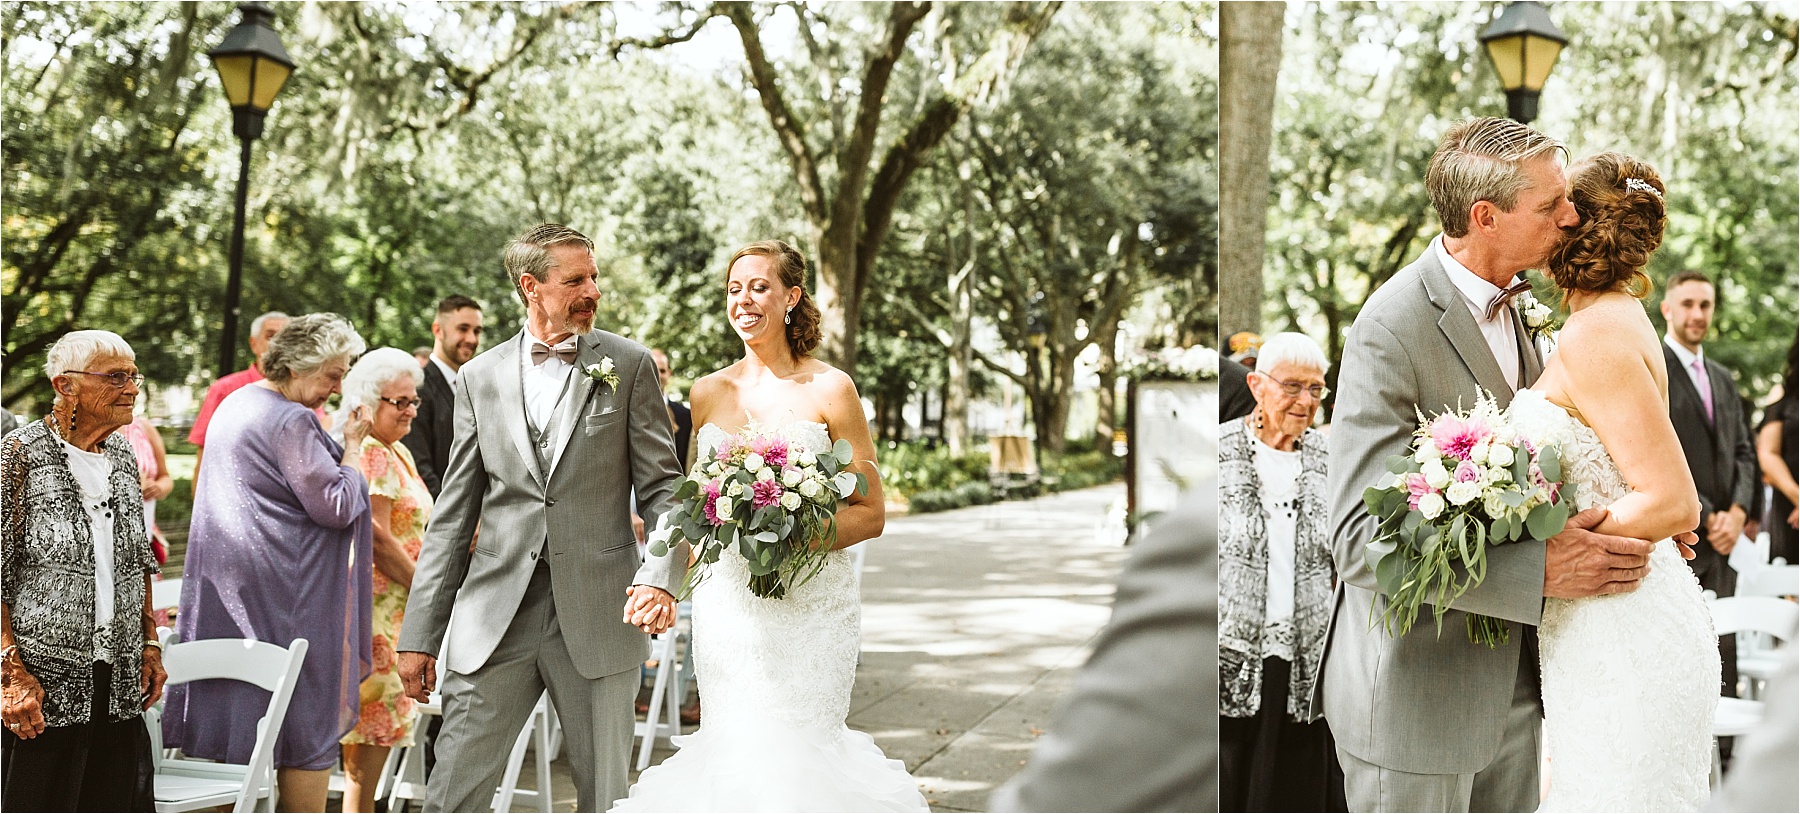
[
  {"x": 541, "y": 351},
  {"x": 1505, "y": 297}
]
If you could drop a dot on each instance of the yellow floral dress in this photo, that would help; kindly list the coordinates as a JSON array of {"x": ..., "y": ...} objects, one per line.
[{"x": 387, "y": 713}]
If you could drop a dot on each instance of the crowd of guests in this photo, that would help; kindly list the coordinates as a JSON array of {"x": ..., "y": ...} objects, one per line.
[
  {"x": 1276, "y": 574},
  {"x": 305, "y": 525}
]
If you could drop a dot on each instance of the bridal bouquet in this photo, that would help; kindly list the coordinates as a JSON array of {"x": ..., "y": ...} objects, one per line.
[
  {"x": 1470, "y": 482},
  {"x": 773, "y": 499}
]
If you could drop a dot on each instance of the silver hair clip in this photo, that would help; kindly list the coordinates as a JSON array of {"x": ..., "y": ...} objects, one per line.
[{"x": 1641, "y": 185}]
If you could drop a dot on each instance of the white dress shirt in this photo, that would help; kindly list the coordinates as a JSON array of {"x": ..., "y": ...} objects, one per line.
[
  {"x": 1687, "y": 364},
  {"x": 544, "y": 383},
  {"x": 451, "y": 374},
  {"x": 92, "y": 470},
  {"x": 1477, "y": 293}
]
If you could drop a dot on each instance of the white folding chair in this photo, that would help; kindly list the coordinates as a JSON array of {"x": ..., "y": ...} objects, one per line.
[
  {"x": 1770, "y": 580},
  {"x": 1758, "y": 659},
  {"x": 165, "y": 594},
  {"x": 664, "y": 718},
  {"x": 535, "y": 732},
  {"x": 189, "y": 785},
  {"x": 1737, "y": 614}
]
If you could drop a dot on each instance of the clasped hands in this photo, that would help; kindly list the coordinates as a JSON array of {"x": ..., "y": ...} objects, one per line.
[{"x": 1581, "y": 562}]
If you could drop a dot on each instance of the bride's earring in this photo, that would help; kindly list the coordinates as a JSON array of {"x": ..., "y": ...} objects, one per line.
[
  {"x": 788, "y": 318},
  {"x": 1257, "y": 419}
]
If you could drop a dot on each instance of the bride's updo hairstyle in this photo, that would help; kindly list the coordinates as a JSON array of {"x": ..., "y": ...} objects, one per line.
[
  {"x": 1620, "y": 201},
  {"x": 803, "y": 331}
]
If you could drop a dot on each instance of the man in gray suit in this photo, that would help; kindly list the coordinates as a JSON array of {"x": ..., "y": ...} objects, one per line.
[
  {"x": 1426, "y": 722},
  {"x": 1131, "y": 737},
  {"x": 547, "y": 451}
]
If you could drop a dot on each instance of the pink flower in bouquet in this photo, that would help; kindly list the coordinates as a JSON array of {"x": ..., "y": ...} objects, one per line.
[
  {"x": 712, "y": 500},
  {"x": 765, "y": 493},
  {"x": 776, "y": 454},
  {"x": 1467, "y": 471},
  {"x": 1416, "y": 487},
  {"x": 1455, "y": 436}
]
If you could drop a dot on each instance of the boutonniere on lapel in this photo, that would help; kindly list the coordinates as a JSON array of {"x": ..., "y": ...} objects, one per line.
[
  {"x": 603, "y": 372},
  {"x": 1539, "y": 326}
]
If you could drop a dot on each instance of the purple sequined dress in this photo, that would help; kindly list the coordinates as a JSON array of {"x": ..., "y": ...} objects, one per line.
[{"x": 279, "y": 549}]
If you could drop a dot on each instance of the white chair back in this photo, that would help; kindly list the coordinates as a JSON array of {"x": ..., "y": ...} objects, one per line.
[
  {"x": 165, "y": 594},
  {"x": 271, "y": 667},
  {"x": 1759, "y": 614},
  {"x": 1770, "y": 580}
]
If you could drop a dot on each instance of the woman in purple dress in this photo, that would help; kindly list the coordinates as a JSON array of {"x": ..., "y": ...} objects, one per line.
[{"x": 280, "y": 549}]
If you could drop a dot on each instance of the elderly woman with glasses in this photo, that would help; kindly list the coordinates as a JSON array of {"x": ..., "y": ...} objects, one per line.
[
  {"x": 382, "y": 390},
  {"x": 1275, "y": 583},
  {"x": 279, "y": 549},
  {"x": 79, "y": 660}
]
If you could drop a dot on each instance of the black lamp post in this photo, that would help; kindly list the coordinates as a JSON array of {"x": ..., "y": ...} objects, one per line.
[
  {"x": 252, "y": 66},
  {"x": 1524, "y": 44}
]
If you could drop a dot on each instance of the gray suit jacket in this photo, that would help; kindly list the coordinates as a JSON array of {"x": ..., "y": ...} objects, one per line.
[
  {"x": 609, "y": 441},
  {"x": 1140, "y": 732},
  {"x": 1421, "y": 703}
]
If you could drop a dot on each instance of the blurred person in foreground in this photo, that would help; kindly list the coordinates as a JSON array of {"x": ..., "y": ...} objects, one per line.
[
  {"x": 1135, "y": 733},
  {"x": 1275, "y": 583},
  {"x": 382, "y": 390},
  {"x": 279, "y": 549},
  {"x": 79, "y": 658}
]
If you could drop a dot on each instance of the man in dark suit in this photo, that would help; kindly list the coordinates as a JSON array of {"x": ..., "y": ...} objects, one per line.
[
  {"x": 1235, "y": 400},
  {"x": 456, "y": 337},
  {"x": 1709, "y": 418}
]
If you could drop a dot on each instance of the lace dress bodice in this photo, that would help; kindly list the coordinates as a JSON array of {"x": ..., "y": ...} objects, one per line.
[
  {"x": 775, "y": 678},
  {"x": 1630, "y": 681}
]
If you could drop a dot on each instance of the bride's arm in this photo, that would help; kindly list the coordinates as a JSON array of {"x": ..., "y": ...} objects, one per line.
[
  {"x": 863, "y": 516},
  {"x": 1612, "y": 386}
]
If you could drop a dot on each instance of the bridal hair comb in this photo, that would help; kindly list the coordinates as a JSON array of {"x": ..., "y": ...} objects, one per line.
[{"x": 1641, "y": 185}]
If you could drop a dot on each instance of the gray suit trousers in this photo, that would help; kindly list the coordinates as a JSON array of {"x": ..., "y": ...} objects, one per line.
[
  {"x": 1509, "y": 783},
  {"x": 484, "y": 711}
]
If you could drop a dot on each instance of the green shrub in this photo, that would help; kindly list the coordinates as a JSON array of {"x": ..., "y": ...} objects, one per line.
[
  {"x": 975, "y": 494},
  {"x": 912, "y": 467},
  {"x": 174, "y": 511},
  {"x": 936, "y": 500}
]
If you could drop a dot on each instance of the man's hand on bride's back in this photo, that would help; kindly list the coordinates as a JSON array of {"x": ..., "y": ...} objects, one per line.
[{"x": 1582, "y": 562}]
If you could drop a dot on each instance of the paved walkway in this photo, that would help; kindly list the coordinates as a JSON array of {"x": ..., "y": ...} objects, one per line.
[{"x": 974, "y": 622}]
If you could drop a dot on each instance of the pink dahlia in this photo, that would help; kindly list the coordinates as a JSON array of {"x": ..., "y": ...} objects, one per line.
[
  {"x": 1456, "y": 437},
  {"x": 711, "y": 504},
  {"x": 765, "y": 493}
]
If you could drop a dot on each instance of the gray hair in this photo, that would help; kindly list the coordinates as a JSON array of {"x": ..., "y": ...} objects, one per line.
[
  {"x": 375, "y": 371},
  {"x": 308, "y": 343},
  {"x": 77, "y": 348},
  {"x": 529, "y": 252},
  {"x": 256, "y": 325},
  {"x": 1291, "y": 348},
  {"x": 1482, "y": 160}
]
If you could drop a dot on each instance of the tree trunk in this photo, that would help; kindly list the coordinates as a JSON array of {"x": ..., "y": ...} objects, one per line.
[
  {"x": 1249, "y": 61},
  {"x": 1107, "y": 337}
]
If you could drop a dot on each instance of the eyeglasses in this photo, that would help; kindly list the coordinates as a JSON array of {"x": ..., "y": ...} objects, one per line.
[
  {"x": 1318, "y": 391},
  {"x": 403, "y": 403},
  {"x": 116, "y": 381}
]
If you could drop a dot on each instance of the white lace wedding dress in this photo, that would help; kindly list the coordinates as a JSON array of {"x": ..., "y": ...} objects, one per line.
[
  {"x": 1630, "y": 681},
  {"x": 775, "y": 677}
]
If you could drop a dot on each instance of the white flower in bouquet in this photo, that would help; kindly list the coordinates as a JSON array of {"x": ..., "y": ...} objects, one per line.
[
  {"x": 1432, "y": 505},
  {"x": 1461, "y": 492},
  {"x": 791, "y": 478},
  {"x": 1435, "y": 473},
  {"x": 808, "y": 460},
  {"x": 810, "y": 488},
  {"x": 1495, "y": 474},
  {"x": 715, "y": 469},
  {"x": 765, "y": 473},
  {"x": 1500, "y": 455},
  {"x": 1427, "y": 452},
  {"x": 1479, "y": 452},
  {"x": 790, "y": 501},
  {"x": 723, "y": 507},
  {"x": 753, "y": 462},
  {"x": 1494, "y": 506},
  {"x": 735, "y": 489}
]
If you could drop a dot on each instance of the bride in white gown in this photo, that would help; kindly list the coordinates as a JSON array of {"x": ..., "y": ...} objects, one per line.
[
  {"x": 1630, "y": 680},
  {"x": 776, "y": 673}
]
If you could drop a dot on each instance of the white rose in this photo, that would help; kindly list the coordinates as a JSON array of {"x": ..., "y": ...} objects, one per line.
[
  {"x": 1431, "y": 506},
  {"x": 606, "y": 365},
  {"x": 791, "y": 478},
  {"x": 1478, "y": 453},
  {"x": 1494, "y": 506},
  {"x": 1435, "y": 473},
  {"x": 808, "y": 459},
  {"x": 753, "y": 462},
  {"x": 1500, "y": 455},
  {"x": 1462, "y": 492},
  {"x": 1427, "y": 451},
  {"x": 810, "y": 488},
  {"x": 1494, "y": 474},
  {"x": 790, "y": 501},
  {"x": 765, "y": 473},
  {"x": 715, "y": 469},
  {"x": 735, "y": 489},
  {"x": 723, "y": 508}
]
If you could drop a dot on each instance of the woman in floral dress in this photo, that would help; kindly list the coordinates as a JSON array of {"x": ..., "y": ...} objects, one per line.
[{"x": 383, "y": 387}]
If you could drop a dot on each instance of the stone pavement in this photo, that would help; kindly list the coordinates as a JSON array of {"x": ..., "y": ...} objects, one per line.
[{"x": 974, "y": 623}]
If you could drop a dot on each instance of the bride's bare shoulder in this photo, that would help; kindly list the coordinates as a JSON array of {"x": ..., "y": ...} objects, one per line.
[
  {"x": 1604, "y": 339},
  {"x": 711, "y": 390}
]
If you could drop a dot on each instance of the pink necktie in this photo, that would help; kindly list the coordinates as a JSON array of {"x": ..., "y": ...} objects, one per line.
[{"x": 1705, "y": 386}]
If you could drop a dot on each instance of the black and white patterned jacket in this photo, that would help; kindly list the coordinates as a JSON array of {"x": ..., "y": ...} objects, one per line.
[{"x": 47, "y": 573}]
